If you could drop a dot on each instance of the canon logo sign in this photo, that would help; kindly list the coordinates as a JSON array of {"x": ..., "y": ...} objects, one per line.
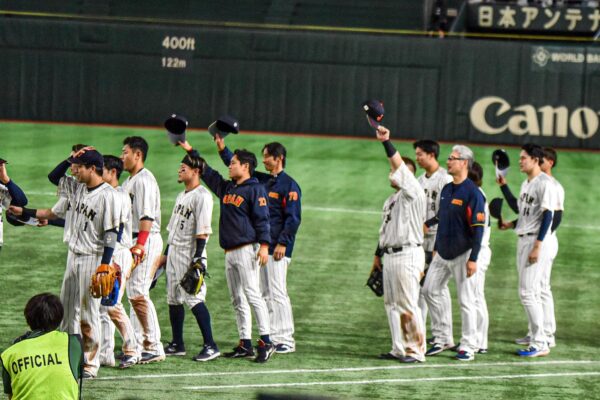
[{"x": 525, "y": 119}]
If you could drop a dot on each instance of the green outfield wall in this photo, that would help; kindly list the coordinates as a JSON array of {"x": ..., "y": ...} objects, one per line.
[{"x": 310, "y": 81}]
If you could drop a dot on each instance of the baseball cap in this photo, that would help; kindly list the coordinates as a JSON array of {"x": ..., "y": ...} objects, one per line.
[
  {"x": 176, "y": 126},
  {"x": 3, "y": 161},
  {"x": 223, "y": 126},
  {"x": 374, "y": 110},
  {"x": 501, "y": 161},
  {"x": 90, "y": 157}
]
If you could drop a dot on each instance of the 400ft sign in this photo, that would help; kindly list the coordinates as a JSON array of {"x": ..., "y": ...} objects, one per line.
[{"x": 493, "y": 115}]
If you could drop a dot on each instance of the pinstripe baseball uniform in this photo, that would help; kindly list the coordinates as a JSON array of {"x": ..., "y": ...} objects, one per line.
[
  {"x": 546, "y": 292},
  {"x": 116, "y": 316},
  {"x": 461, "y": 212},
  {"x": 535, "y": 196},
  {"x": 69, "y": 293},
  {"x": 400, "y": 241},
  {"x": 192, "y": 216},
  {"x": 432, "y": 185},
  {"x": 145, "y": 197},
  {"x": 483, "y": 262},
  {"x": 94, "y": 212},
  {"x": 5, "y": 200}
]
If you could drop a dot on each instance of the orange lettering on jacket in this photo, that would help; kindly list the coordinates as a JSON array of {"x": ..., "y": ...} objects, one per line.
[
  {"x": 234, "y": 199},
  {"x": 274, "y": 195},
  {"x": 457, "y": 202},
  {"x": 293, "y": 196},
  {"x": 262, "y": 202},
  {"x": 480, "y": 217}
]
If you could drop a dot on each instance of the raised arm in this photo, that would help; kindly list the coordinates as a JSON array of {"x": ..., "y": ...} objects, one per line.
[
  {"x": 17, "y": 196},
  {"x": 383, "y": 134}
]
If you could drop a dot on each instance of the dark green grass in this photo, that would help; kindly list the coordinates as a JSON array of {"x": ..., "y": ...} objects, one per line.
[{"x": 339, "y": 323}]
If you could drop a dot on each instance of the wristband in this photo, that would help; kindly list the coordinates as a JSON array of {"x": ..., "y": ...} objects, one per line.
[
  {"x": 200, "y": 243},
  {"x": 390, "y": 150},
  {"x": 142, "y": 237},
  {"x": 29, "y": 212}
]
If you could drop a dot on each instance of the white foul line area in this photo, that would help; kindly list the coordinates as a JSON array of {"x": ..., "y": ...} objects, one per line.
[{"x": 513, "y": 365}]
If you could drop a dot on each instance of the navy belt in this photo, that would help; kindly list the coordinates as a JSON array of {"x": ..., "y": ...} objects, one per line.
[{"x": 391, "y": 250}]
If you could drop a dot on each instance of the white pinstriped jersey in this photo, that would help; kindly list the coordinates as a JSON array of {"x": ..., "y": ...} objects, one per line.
[
  {"x": 63, "y": 208},
  {"x": 145, "y": 198},
  {"x": 124, "y": 204},
  {"x": 5, "y": 200},
  {"x": 192, "y": 216},
  {"x": 535, "y": 197},
  {"x": 94, "y": 212},
  {"x": 559, "y": 195},
  {"x": 403, "y": 212},
  {"x": 485, "y": 240},
  {"x": 433, "y": 188}
]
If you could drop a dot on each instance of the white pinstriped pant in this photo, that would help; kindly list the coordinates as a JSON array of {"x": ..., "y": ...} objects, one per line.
[
  {"x": 273, "y": 284},
  {"x": 546, "y": 296},
  {"x": 143, "y": 313},
  {"x": 483, "y": 319},
  {"x": 242, "y": 272},
  {"x": 531, "y": 277},
  {"x": 401, "y": 276},
  {"x": 178, "y": 262},
  {"x": 441, "y": 314},
  {"x": 117, "y": 316},
  {"x": 69, "y": 297}
]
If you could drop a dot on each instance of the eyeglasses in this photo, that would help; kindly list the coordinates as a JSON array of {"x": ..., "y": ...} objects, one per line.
[{"x": 455, "y": 158}]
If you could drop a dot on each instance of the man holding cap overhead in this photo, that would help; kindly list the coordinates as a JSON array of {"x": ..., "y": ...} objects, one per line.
[
  {"x": 10, "y": 194},
  {"x": 92, "y": 241}
]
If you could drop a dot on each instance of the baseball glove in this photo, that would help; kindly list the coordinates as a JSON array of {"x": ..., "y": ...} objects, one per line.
[
  {"x": 194, "y": 277},
  {"x": 104, "y": 280},
  {"x": 375, "y": 281}
]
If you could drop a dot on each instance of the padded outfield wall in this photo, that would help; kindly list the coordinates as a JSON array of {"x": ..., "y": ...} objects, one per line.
[{"x": 300, "y": 81}]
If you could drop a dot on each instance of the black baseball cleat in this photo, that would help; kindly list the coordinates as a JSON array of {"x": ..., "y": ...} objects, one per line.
[
  {"x": 388, "y": 356},
  {"x": 240, "y": 352},
  {"x": 174, "y": 349},
  {"x": 409, "y": 360},
  {"x": 265, "y": 351},
  {"x": 207, "y": 353},
  {"x": 128, "y": 361},
  {"x": 148, "y": 358}
]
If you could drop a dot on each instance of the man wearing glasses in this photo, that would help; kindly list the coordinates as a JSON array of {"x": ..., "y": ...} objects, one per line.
[{"x": 461, "y": 219}]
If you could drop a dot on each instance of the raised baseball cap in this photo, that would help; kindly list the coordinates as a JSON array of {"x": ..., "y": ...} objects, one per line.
[
  {"x": 224, "y": 125},
  {"x": 375, "y": 111},
  {"x": 176, "y": 125},
  {"x": 501, "y": 161},
  {"x": 89, "y": 157},
  {"x": 3, "y": 161}
]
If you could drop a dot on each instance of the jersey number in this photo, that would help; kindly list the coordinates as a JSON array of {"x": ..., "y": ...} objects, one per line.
[
  {"x": 85, "y": 226},
  {"x": 182, "y": 224}
]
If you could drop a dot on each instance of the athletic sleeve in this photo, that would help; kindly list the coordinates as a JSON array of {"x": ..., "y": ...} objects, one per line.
[
  {"x": 510, "y": 198},
  {"x": 18, "y": 197},
  {"x": 6, "y": 379},
  {"x": 292, "y": 215},
  {"x": 58, "y": 172},
  {"x": 203, "y": 212},
  {"x": 214, "y": 181},
  {"x": 260, "y": 215},
  {"x": 406, "y": 181}
]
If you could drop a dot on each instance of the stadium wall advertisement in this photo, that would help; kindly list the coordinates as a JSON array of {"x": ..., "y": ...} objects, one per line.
[{"x": 280, "y": 80}]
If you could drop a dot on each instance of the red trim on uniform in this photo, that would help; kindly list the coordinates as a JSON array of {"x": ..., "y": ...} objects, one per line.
[{"x": 469, "y": 215}]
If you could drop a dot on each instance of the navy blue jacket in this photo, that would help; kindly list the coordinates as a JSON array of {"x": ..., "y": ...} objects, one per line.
[
  {"x": 284, "y": 197},
  {"x": 461, "y": 220},
  {"x": 244, "y": 212}
]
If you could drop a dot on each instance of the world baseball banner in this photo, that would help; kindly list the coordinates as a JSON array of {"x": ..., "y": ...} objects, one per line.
[{"x": 533, "y": 19}]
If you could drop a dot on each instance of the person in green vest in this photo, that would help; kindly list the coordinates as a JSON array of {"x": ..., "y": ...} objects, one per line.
[{"x": 43, "y": 363}]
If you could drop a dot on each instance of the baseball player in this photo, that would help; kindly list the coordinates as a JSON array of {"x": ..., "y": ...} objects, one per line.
[
  {"x": 244, "y": 234},
  {"x": 189, "y": 229},
  {"x": 400, "y": 246},
  {"x": 10, "y": 194},
  {"x": 534, "y": 252},
  {"x": 92, "y": 241},
  {"x": 111, "y": 316},
  {"x": 432, "y": 181},
  {"x": 284, "y": 200},
  {"x": 483, "y": 262},
  {"x": 461, "y": 218},
  {"x": 145, "y": 197}
]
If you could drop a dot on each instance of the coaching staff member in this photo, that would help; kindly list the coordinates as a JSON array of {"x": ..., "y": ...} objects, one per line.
[{"x": 43, "y": 363}]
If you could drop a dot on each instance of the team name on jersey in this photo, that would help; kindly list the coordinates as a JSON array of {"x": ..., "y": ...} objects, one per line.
[
  {"x": 457, "y": 202},
  {"x": 182, "y": 210},
  {"x": 234, "y": 199},
  {"x": 527, "y": 198},
  {"x": 39, "y": 360},
  {"x": 82, "y": 208}
]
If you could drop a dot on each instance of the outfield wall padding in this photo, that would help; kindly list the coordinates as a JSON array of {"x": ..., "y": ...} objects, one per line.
[{"x": 300, "y": 81}]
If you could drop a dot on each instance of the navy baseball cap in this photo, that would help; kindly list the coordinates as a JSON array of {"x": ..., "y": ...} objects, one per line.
[
  {"x": 374, "y": 110},
  {"x": 501, "y": 161},
  {"x": 3, "y": 161},
  {"x": 176, "y": 126},
  {"x": 223, "y": 126},
  {"x": 90, "y": 157}
]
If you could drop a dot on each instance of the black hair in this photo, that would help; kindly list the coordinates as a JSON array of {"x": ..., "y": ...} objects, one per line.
[
  {"x": 246, "y": 157},
  {"x": 550, "y": 154},
  {"x": 534, "y": 151},
  {"x": 476, "y": 173},
  {"x": 44, "y": 312},
  {"x": 194, "y": 162},
  {"x": 137, "y": 143},
  {"x": 77, "y": 147},
  {"x": 410, "y": 162},
  {"x": 276, "y": 149},
  {"x": 113, "y": 162},
  {"x": 428, "y": 146}
]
